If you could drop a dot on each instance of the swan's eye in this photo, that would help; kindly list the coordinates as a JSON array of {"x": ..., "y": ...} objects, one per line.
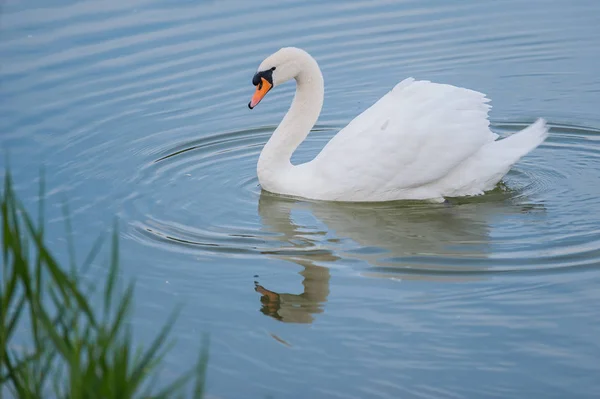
[{"x": 266, "y": 74}]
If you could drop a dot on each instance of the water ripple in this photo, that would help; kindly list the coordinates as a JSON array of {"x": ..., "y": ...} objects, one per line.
[
  {"x": 166, "y": 80},
  {"x": 407, "y": 239}
]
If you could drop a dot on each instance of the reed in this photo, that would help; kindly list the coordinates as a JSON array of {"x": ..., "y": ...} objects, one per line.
[{"x": 55, "y": 340}]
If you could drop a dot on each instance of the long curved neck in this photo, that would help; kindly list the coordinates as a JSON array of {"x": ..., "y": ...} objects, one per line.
[{"x": 275, "y": 157}]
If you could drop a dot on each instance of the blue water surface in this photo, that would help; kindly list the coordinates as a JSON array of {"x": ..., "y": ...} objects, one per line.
[{"x": 138, "y": 110}]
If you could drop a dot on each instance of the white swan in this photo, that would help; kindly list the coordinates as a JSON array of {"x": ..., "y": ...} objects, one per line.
[{"x": 420, "y": 141}]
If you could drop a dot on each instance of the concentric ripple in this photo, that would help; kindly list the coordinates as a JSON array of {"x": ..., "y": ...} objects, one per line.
[
  {"x": 203, "y": 197},
  {"x": 163, "y": 84},
  {"x": 198, "y": 188}
]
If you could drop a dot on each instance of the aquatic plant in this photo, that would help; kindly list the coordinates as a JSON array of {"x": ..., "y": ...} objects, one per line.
[{"x": 55, "y": 341}]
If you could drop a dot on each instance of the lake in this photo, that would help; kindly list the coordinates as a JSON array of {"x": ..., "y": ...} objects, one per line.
[{"x": 138, "y": 110}]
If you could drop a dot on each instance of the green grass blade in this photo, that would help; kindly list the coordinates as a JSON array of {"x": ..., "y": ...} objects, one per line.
[
  {"x": 70, "y": 244},
  {"x": 173, "y": 387},
  {"x": 12, "y": 323},
  {"x": 154, "y": 348},
  {"x": 201, "y": 369},
  {"x": 91, "y": 256},
  {"x": 65, "y": 285},
  {"x": 112, "y": 276},
  {"x": 41, "y": 197},
  {"x": 122, "y": 313}
]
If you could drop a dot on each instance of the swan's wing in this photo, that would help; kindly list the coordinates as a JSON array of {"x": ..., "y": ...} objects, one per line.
[{"x": 413, "y": 135}]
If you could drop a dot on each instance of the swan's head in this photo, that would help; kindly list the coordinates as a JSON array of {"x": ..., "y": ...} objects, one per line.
[{"x": 278, "y": 68}]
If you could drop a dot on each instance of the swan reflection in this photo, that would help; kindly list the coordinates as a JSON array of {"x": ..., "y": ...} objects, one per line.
[{"x": 411, "y": 241}]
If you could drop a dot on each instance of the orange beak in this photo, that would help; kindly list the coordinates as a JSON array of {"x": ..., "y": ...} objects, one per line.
[{"x": 261, "y": 90}]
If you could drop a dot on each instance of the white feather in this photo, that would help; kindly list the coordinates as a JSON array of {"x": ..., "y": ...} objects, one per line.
[{"x": 421, "y": 140}]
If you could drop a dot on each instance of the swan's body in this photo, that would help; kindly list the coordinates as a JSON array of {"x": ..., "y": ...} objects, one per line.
[{"x": 421, "y": 140}]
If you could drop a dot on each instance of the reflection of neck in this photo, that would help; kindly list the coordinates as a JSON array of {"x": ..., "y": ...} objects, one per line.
[
  {"x": 274, "y": 161},
  {"x": 294, "y": 308},
  {"x": 315, "y": 284},
  {"x": 276, "y": 217}
]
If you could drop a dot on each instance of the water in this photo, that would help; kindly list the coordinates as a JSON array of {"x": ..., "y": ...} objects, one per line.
[{"x": 139, "y": 109}]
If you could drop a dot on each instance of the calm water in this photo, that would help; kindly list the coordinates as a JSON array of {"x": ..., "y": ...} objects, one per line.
[{"x": 139, "y": 109}]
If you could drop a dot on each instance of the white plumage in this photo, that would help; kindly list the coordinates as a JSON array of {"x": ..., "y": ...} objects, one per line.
[{"x": 421, "y": 140}]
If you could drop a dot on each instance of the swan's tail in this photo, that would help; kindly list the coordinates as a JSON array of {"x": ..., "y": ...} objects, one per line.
[
  {"x": 517, "y": 145},
  {"x": 487, "y": 168}
]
